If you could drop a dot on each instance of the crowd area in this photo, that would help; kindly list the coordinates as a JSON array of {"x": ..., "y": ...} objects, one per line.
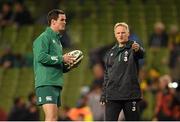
[
  {"x": 161, "y": 92},
  {"x": 15, "y": 13}
]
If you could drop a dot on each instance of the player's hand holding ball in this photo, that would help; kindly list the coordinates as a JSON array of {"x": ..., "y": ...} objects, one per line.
[
  {"x": 72, "y": 59},
  {"x": 68, "y": 59}
]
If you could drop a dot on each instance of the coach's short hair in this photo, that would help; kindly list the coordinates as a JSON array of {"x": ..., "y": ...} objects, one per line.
[
  {"x": 54, "y": 14},
  {"x": 121, "y": 24}
]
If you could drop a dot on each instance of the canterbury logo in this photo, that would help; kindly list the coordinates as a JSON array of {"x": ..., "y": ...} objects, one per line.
[
  {"x": 48, "y": 98},
  {"x": 54, "y": 58},
  {"x": 39, "y": 99},
  {"x": 53, "y": 41}
]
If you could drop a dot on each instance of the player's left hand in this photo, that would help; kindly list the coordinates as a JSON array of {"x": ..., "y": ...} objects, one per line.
[{"x": 135, "y": 46}]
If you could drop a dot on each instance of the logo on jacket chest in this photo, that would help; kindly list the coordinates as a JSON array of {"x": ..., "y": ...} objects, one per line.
[
  {"x": 57, "y": 43},
  {"x": 126, "y": 56},
  {"x": 123, "y": 56},
  {"x": 53, "y": 41}
]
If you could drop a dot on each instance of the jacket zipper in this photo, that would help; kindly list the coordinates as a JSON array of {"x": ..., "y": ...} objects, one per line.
[{"x": 119, "y": 59}]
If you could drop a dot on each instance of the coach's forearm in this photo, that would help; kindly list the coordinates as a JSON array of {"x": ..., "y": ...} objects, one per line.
[{"x": 140, "y": 53}]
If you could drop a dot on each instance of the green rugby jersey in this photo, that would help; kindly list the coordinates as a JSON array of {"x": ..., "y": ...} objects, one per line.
[{"x": 48, "y": 61}]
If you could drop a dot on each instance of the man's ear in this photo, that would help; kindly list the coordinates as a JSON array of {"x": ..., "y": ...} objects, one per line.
[
  {"x": 128, "y": 34},
  {"x": 52, "y": 21}
]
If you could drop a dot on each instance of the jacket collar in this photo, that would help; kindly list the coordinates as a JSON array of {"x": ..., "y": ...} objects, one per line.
[
  {"x": 116, "y": 49},
  {"x": 127, "y": 45},
  {"x": 52, "y": 33}
]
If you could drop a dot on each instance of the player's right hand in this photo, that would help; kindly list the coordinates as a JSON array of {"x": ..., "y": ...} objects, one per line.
[{"x": 69, "y": 59}]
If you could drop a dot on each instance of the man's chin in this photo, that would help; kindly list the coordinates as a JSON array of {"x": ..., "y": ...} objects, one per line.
[
  {"x": 62, "y": 30},
  {"x": 123, "y": 42}
]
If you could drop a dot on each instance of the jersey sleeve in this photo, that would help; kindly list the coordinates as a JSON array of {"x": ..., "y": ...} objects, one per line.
[{"x": 42, "y": 53}]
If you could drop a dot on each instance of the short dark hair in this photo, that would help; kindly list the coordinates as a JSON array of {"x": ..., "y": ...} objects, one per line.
[{"x": 53, "y": 14}]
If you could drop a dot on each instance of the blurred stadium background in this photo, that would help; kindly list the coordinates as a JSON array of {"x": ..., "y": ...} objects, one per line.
[{"x": 90, "y": 29}]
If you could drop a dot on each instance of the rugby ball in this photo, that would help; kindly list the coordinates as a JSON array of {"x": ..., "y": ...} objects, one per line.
[{"x": 78, "y": 56}]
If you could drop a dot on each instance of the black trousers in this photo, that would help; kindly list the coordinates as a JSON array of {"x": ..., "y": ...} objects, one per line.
[{"x": 114, "y": 107}]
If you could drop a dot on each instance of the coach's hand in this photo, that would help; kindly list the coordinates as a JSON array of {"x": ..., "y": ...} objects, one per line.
[
  {"x": 135, "y": 46},
  {"x": 69, "y": 59},
  {"x": 103, "y": 100}
]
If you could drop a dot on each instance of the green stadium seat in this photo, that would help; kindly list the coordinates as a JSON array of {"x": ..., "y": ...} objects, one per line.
[
  {"x": 120, "y": 11},
  {"x": 25, "y": 83},
  {"x": 1, "y": 75},
  {"x": 168, "y": 13},
  {"x": 148, "y": 113},
  {"x": 8, "y": 36},
  {"x": 158, "y": 58},
  {"x": 8, "y": 88},
  {"x": 24, "y": 39}
]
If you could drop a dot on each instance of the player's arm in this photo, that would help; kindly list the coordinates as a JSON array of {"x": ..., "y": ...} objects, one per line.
[
  {"x": 42, "y": 53},
  {"x": 68, "y": 59}
]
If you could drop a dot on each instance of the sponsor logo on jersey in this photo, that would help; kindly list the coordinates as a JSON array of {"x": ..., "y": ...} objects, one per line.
[
  {"x": 39, "y": 99},
  {"x": 48, "y": 98},
  {"x": 55, "y": 58}
]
